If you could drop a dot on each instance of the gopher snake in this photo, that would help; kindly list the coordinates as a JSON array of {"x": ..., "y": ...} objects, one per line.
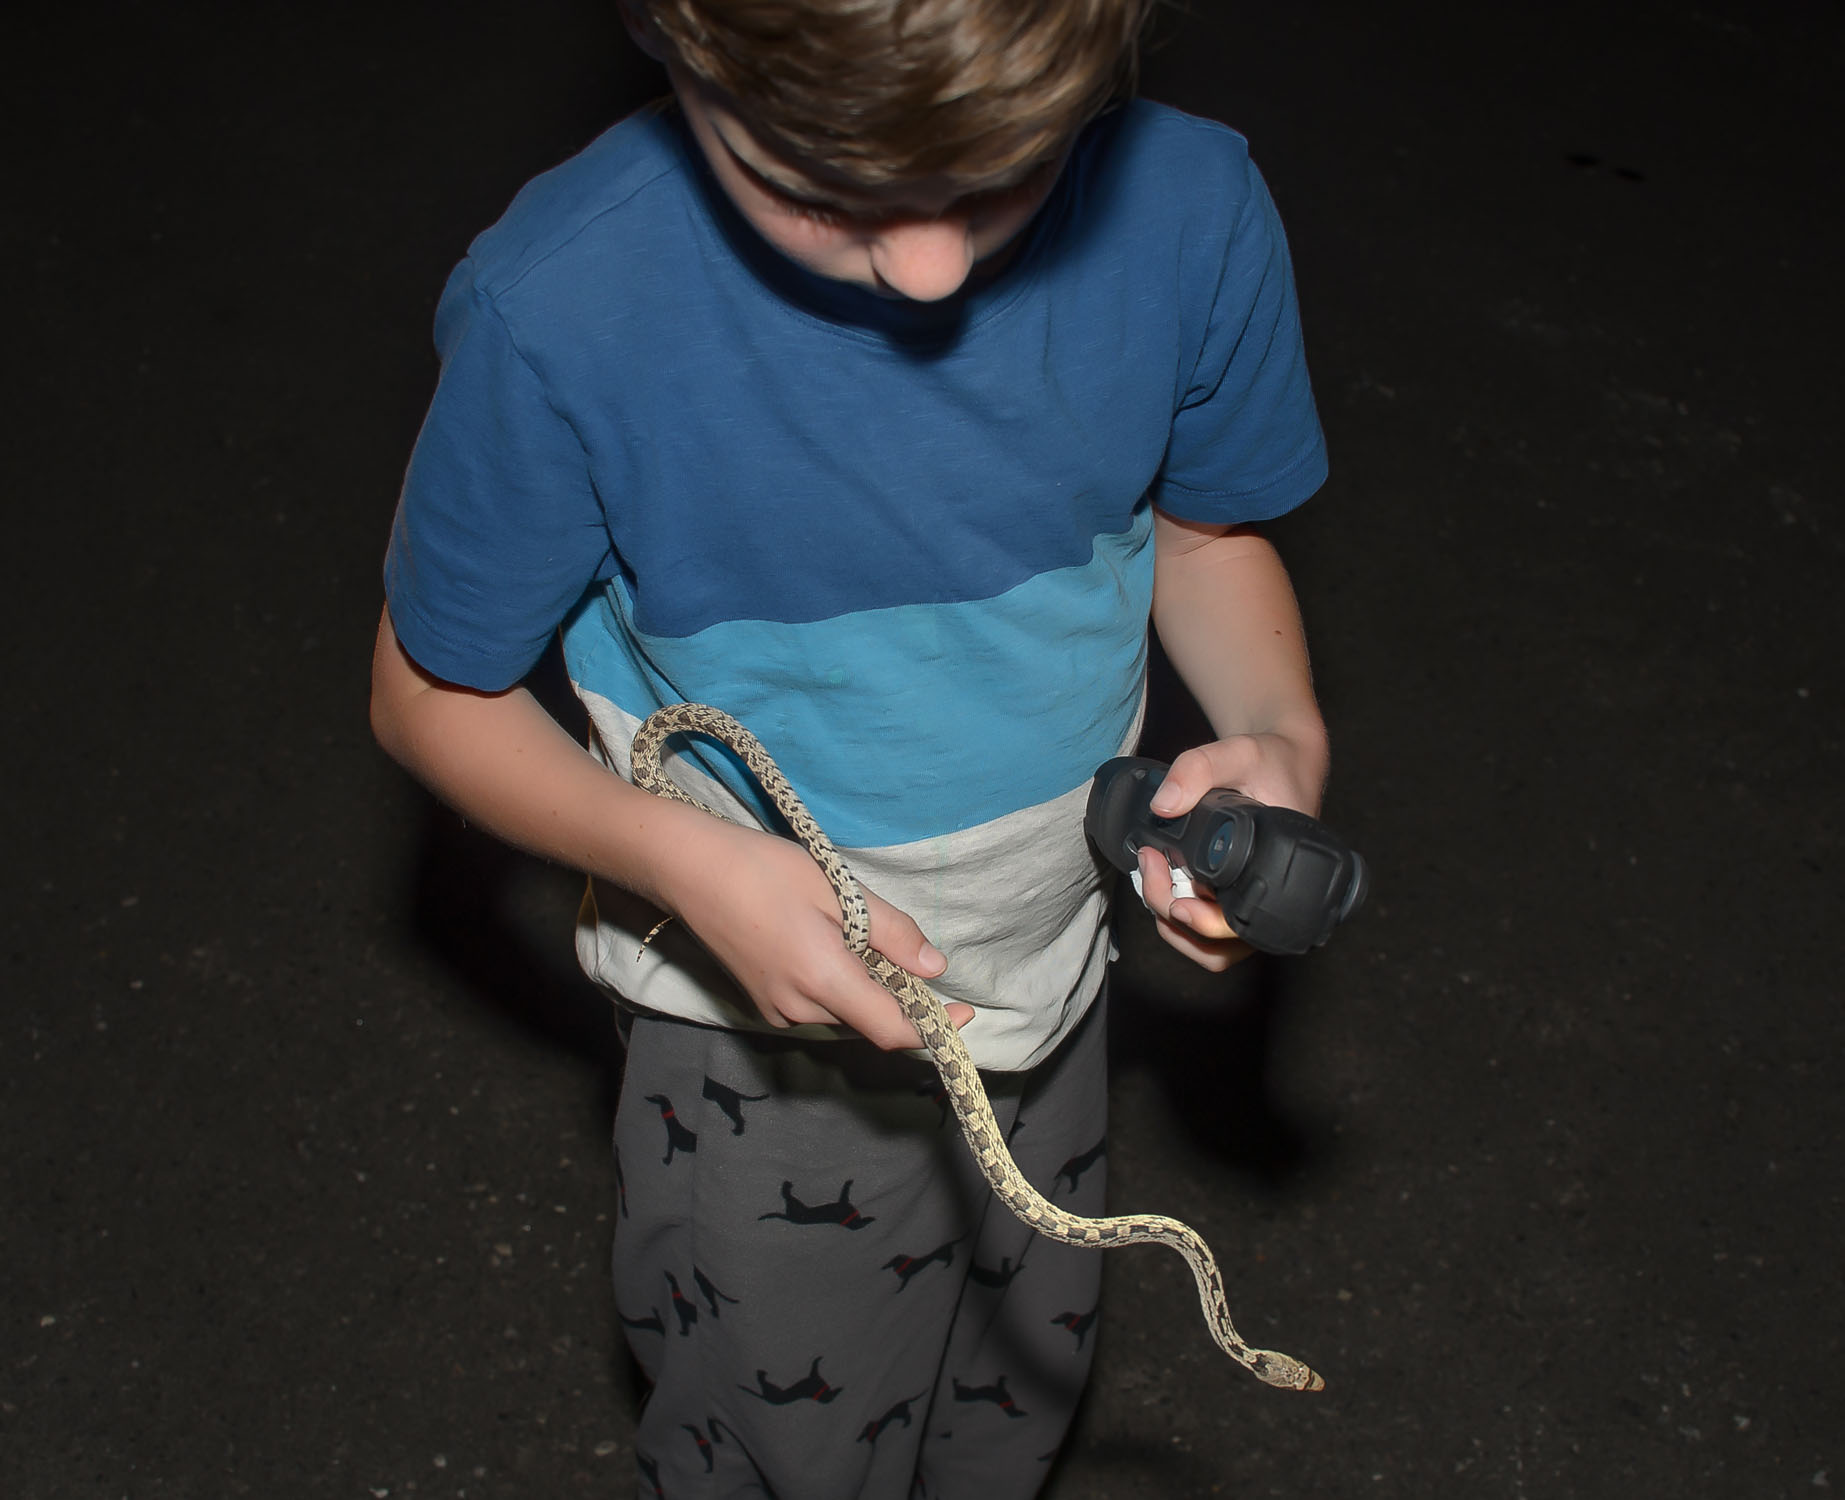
[{"x": 965, "y": 1091}]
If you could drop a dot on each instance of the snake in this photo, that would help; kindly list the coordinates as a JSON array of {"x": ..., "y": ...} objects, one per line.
[{"x": 967, "y": 1095}]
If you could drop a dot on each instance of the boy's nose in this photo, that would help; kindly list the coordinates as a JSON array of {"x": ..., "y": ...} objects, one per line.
[{"x": 924, "y": 259}]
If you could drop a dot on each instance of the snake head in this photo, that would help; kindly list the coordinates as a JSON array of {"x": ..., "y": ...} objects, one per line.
[{"x": 1285, "y": 1371}]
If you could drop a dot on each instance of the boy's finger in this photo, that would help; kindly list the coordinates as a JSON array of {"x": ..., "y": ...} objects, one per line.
[
  {"x": 1174, "y": 906},
  {"x": 1206, "y": 918},
  {"x": 801, "y": 1013},
  {"x": 875, "y": 1015},
  {"x": 1196, "y": 771},
  {"x": 898, "y": 938},
  {"x": 1212, "y": 954},
  {"x": 1188, "y": 778},
  {"x": 1154, "y": 884}
]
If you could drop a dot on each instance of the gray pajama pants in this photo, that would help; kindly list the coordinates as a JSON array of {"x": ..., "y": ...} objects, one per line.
[{"x": 826, "y": 1298}]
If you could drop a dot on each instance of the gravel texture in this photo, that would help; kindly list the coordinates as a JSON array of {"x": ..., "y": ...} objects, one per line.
[{"x": 306, "y": 1188}]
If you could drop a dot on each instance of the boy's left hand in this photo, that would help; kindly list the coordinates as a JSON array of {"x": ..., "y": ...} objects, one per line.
[{"x": 1272, "y": 768}]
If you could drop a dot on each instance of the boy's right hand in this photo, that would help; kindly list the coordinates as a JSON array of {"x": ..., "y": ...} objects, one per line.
[
  {"x": 763, "y": 908},
  {"x": 758, "y": 902}
]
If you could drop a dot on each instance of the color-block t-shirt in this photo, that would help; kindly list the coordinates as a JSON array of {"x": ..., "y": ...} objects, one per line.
[{"x": 907, "y": 544}]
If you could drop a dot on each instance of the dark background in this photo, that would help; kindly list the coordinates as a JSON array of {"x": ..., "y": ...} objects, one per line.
[{"x": 305, "y": 1184}]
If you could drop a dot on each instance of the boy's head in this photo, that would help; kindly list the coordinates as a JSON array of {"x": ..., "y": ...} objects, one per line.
[
  {"x": 838, "y": 127},
  {"x": 885, "y": 92}
]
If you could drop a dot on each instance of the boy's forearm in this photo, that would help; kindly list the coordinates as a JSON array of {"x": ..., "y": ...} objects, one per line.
[
  {"x": 1227, "y": 617},
  {"x": 771, "y": 920},
  {"x": 506, "y": 765}
]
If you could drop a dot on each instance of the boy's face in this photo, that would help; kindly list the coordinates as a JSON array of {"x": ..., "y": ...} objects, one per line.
[{"x": 924, "y": 241}]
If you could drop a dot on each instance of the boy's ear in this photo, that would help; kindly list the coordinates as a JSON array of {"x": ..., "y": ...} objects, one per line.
[{"x": 639, "y": 20}]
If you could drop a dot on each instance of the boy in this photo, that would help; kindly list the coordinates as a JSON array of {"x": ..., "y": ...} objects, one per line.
[{"x": 877, "y": 390}]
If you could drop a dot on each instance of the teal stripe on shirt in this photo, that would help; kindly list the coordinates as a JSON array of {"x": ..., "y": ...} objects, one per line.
[{"x": 918, "y": 720}]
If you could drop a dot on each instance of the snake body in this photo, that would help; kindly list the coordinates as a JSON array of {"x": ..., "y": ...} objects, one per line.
[{"x": 966, "y": 1093}]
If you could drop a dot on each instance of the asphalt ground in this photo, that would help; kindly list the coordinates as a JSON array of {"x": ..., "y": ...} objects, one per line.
[{"x": 305, "y": 1182}]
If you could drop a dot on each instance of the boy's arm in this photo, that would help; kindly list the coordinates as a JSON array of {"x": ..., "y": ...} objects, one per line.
[
  {"x": 1226, "y": 615},
  {"x": 758, "y": 902}
]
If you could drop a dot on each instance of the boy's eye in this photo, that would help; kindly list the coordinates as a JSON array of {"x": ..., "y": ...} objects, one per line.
[
  {"x": 817, "y": 213},
  {"x": 814, "y": 210},
  {"x": 834, "y": 215}
]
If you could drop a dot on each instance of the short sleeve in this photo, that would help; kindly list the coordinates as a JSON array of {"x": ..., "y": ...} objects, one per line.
[
  {"x": 499, "y": 529},
  {"x": 1246, "y": 442}
]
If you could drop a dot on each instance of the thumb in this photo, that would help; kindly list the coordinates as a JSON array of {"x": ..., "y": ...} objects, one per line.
[
  {"x": 1188, "y": 779},
  {"x": 895, "y": 934}
]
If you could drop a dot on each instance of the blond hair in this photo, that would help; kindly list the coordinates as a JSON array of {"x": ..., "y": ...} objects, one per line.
[{"x": 892, "y": 91}]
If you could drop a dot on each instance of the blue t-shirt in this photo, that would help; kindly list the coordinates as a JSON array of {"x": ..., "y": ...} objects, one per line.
[{"x": 907, "y": 544}]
